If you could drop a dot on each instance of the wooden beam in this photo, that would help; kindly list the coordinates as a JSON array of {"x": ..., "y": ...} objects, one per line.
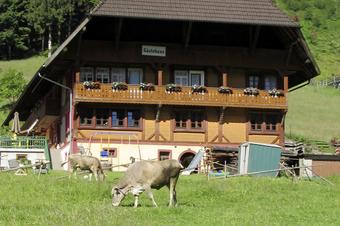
[
  {"x": 255, "y": 39},
  {"x": 187, "y": 35},
  {"x": 118, "y": 29}
]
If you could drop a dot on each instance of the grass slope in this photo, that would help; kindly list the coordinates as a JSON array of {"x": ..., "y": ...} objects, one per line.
[
  {"x": 237, "y": 201},
  {"x": 314, "y": 113},
  {"x": 28, "y": 66}
]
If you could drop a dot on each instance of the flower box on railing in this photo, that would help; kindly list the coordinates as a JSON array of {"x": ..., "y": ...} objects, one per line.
[
  {"x": 173, "y": 88},
  {"x": 251, "y": 91},
  {"x": 275, "y": 93},
  {"x": 147, "y": 86},
  {"x": 119, "y": 86},
  {"x": 91, "y": 85},
  {"x": 198, "y": 89},
  {"x": 225, "y": 90}
]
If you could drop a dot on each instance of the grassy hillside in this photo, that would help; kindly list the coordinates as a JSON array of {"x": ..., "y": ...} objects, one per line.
[
  {"x": 28, "y": 66},
  {"x": 320, "y": 21},
  {"x": 314, "y": 113},
  {"x": 237, "y": 201}
]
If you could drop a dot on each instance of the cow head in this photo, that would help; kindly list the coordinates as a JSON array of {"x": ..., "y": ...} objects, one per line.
[{"x": 117, "y": 196}]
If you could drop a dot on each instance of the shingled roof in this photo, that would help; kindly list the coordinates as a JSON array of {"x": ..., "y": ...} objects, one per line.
[{"x": 260, "y": 12}]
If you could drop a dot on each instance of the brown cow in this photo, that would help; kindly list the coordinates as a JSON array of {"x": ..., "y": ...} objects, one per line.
[
  {"x": 85, "y": 162},
  {"x": 146, "y": 175}
]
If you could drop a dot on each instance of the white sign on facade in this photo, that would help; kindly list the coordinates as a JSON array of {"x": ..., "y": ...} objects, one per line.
[{"x": 154, "y": 51}]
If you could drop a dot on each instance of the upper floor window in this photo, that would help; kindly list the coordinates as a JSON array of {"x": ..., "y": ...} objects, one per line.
[
  {"x": 86, "y": 74},
  {"x": 135, "y": 75},
  {"x": 189, "y": 120},
  {"x": 118, "y": 75},
  {"x": 262, "y": 82},
  {"x": 254, "y": 81},
  {"x": 189, "y": 78},
  {"x": 270, "y": 82},
  {"x": 264, "y": 122},
  {"x": 103, "y": 74}
]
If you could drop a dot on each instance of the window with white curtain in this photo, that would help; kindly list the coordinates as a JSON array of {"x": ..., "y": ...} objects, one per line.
[
  {"x": 86, "y": 74},
  {"x": 118, "y": 75},
  {"x": 103, "y": 74}
]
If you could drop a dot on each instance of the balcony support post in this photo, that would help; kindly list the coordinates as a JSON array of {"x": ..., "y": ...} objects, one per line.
[
  {"x": 285, "y": 83},
  {"x": 225, "y": 79},
  {"x": 160, "y": 77}
]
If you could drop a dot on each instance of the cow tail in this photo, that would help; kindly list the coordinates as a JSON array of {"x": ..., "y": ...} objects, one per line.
[{"x": 62, "y": 164}]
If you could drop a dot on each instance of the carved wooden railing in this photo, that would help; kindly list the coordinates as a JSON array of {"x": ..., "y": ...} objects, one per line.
[{"x": 212, "y": 97}]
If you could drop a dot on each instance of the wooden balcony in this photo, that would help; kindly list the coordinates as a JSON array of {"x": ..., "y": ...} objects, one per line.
[{"x": 212, "y": 97}]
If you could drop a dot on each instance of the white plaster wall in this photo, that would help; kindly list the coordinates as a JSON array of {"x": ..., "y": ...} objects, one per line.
[{"x": 146, "y": 152}]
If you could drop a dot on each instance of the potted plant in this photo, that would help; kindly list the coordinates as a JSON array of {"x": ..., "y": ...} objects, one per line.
[
  {"x": 171, "y": 87},
  {"x": 147, "y": 86},
  {"x": 96, "y": 85},
  {"x": 224, "y": 89},
  {"x": 88, "y": 84},
  {"x": 198, "y": 89},
  {"x": 251, "y": 91},
  {"x": 274, "y": 92},
  {"x": 119, "y": 86}
]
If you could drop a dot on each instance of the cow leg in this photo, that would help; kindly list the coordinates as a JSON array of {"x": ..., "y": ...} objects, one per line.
[
  {"x": 150, "y": 195},
  {"x": 94, "y": 172},
  {"x": 173, "y": 199},
  {"x": 90, "y": 176},
  {"x": 136, "y": 201}
]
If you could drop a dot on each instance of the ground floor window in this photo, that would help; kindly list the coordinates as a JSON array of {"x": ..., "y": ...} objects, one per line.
[
  {"x": 189, "y": 120},
  {"x": 264, "y": 122},
  {"x": 164, "y": 155}
]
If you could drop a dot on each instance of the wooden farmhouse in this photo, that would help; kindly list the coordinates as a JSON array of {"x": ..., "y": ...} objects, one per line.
[{"x": 161, "y": 79}]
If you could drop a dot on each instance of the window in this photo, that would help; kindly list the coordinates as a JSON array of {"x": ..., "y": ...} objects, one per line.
[
  {"x": 86, "y": 74},
  {"x": 103, "y": 75},
  {"x": 189, "y": 120},
  {"x": 110, "y": 118},
  {"x": 118, "y": 118},
  {"x": 85, "y": 116},
  {"x": 118, "y": 74},
  {"x": 254, "y": 81},
  {"x": 262, "y": 82},
  {"x": 102, "y": 117},
  {"x": 197, "y": 78},
  {"x": 270, "y": 82},
  {"x": 126, "y": 118},
  {"x": 189, "y": 78},
  {"x": 135, "y": 75},
  {"x": 109, "y": 152},
  {"x": 264, "y": 122},
  {"x": 164, "y": 155},
  {"x": 182, "y": 78}
]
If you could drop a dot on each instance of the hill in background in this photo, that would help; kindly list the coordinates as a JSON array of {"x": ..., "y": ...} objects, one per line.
[{"x": 320, "y": 21}]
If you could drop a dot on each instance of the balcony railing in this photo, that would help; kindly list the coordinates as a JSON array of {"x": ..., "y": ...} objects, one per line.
[
  {"x": 212, "y": 97},
  {"x": 23, "y": 142}
]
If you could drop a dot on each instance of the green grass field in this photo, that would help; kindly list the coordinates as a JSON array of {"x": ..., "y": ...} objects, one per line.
[
  {"x": 26, "y": 200},
  {"x": 314, "y": 113}
]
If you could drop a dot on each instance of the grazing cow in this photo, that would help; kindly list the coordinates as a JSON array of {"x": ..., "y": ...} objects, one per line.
[
  {"x": 145, "y": 175},
  {"x": 85, "y": 162}
]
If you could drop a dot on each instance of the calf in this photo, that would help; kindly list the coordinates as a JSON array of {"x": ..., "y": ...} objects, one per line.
[
  {"x": 85, "y": 162},
  {"x": 146, "y": 175}
]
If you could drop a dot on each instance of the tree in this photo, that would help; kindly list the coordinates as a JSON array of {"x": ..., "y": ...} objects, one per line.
[
  {"x": 14, "y": 32},
  {"x": 12, "y": 84}
]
